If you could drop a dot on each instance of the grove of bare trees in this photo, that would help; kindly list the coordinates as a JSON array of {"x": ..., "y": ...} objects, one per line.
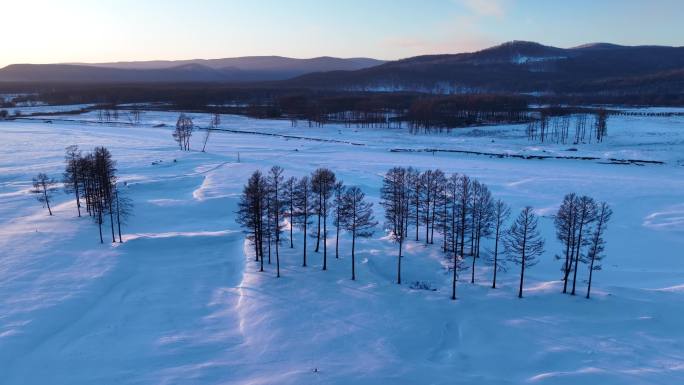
[
  {"x": 91, "y": 178},
  {"x": 461, "y": 210},
  {"x": 268, "y": 201}
]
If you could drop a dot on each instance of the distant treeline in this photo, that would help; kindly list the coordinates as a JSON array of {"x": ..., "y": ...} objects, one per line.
[{"x": 419, "y": 112}]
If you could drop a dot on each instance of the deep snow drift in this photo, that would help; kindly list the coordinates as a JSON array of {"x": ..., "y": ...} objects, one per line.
[{"x": 181, "y": 302}]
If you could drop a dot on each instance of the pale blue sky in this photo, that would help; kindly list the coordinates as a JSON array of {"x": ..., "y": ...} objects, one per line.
[{"x": 48, "y": 31}]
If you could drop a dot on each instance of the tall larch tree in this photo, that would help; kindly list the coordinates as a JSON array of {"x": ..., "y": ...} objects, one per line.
[
  {"x": 302, "y": 204},
  {"x": 598, "y": 242},
  {"x": 523, "y": 243},
  {"x": 501, "y": 214},
  {"x": 357, "y": 218},
  {"x": 395, "y": 197}
]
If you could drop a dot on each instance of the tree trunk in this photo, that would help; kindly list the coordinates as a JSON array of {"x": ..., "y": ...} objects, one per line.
[
  {"x": 574, "y": 274},
  {"x": 277, "y": 247},
  {"x": 399, "y": 265},
  {"x": 337, "y": 238},
  {"x": 522, "y": 269},
  {"x": 261, "y": 260},
  {"x": 78, "y": 200},
  {"x": 325, "y": 239},
  {"x": 566, "y": 270},
  {"x": 432, "y": 220},
  {"x": 277, "y": 262},
  {"x": 118, "y": 216},
  {"x": 417, "y": 214},
  {"x": 453, "y": 281},
  {"x": 444, "y": 222},
  {"x": 427, "y": 218},
  {"x": 522, "y": 277},
  {"x": 291, "y": 220},
  {"x": 472, "y": 273},
  {"x": 268, "y": 239},
  {"x": 591, "y": 273},
  {"x": 277, "y": 230},
  {"x": 99, "y": 224},
  {"x": 353, "y": 256},
  {"x": 577, "y": 255},
  {"x": 47, "y": 200},
  {"x": 496, "y": 256},
  {"x": 256, "y": 244},
  {"x": 111, "y": 222},
  {"x": 261, "y": 238},
  {"x": 318, "y": 234},
  {"x": 305, "y": 236}
]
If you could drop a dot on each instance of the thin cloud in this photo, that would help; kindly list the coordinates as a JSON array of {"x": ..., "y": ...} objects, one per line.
[{"x": 494, "y": 8}]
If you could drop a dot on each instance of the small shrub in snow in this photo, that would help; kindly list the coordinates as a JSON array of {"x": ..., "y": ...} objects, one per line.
[{"x": 422, "y": 285}]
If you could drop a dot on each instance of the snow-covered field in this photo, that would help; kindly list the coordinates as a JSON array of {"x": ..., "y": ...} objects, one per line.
[{"x": 181, "y": 301}]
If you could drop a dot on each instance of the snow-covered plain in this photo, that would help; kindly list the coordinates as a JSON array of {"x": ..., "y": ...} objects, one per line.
[{"x": 181, "y": 302}]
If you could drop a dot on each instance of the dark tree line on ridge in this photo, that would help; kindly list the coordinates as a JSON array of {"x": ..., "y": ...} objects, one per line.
[
  {"x": 92, "y": 180},
  {"x": 201, "y": 97},
  {"x": 460, "y": 209}
]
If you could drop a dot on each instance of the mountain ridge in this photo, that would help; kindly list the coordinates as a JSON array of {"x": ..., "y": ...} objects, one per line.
[
  {"x": 238, "y": 69},
  {"x": 519, "y": 67}
]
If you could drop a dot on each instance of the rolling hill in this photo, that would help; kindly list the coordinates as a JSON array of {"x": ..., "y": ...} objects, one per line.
[
  {"x": 239, "y": 69},
  {"x": 521, "y": 67}
]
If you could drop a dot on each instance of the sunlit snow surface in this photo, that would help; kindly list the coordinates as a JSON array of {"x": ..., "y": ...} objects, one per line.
[{"x": 181, "y": 301}]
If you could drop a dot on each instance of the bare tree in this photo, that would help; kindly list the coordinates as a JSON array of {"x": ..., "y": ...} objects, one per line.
[
  {"x": 427, "y": 187},
  {"x": 215, "y": 120},
  {"x": 105, "y": 174},
  {"x": 586, "y": 214},
  {"x": 338, "y": 195},
  {"x": 395, "y": 199},
  {"x": 72, "y": 174},
  {"x": 566, "y": 231},
  {"x": 302, "y": 210},
  {"x": 601, "y": 125},
  {"x": 524, "y": 243},
  {"x": 289, "y": 187},
  {"x": 464, "y": 191},
  {"x": 183, "y": 132},
  {"x": 322, "y": 183},
  {"x": 357, "y": 218},
  {"x": 482, "y": 208},
  {"x": 135, "y": 114},
  {"x": 414, "y": 182},
  {"x": 44, "y": 187},
  {"x": 207, "y": 133},
  {"x": 597, "y": 245},
  {"x": 277, "y": 205},
  {"x": 438, "y": 183},
  {"x": 452, "y": 197},
  {"x": 213, "y": 124},
  {"x": 501, "y": 214},
  {"x": 123, "y": 206},
  {"x": 250, "y": 214}
]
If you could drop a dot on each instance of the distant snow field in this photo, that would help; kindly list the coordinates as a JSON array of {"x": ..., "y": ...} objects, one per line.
[{"x": 181, "y": 300}]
